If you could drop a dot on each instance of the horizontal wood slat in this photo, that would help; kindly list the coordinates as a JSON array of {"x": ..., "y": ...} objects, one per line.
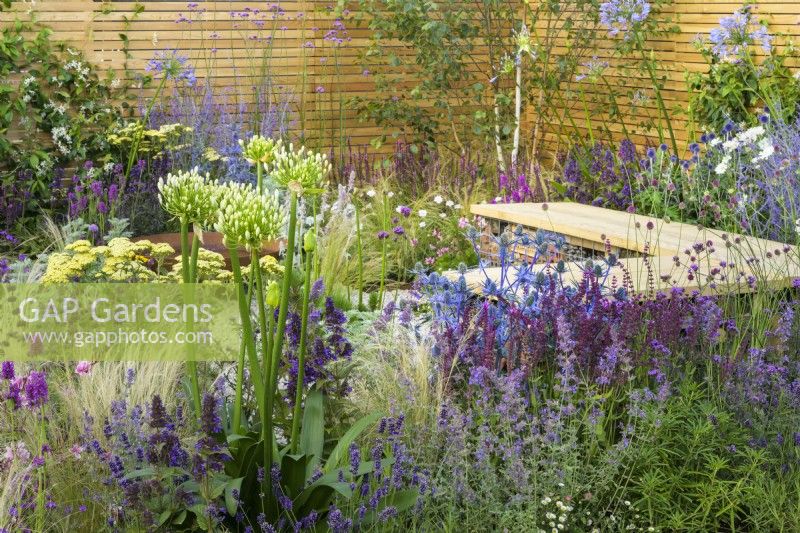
[{"x": 95, "y": 27}]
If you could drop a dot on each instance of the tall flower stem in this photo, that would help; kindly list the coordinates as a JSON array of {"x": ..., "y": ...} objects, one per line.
[
  {"x": 385, "y": 226},
  {"x": 255, "y": 271},
  {"x": 360, "y": 259},
  {"x": 301, "y": 353},
  {"x": 237, "y": 405},
  {"x": 259, "y": 177},
  {"x": 193, "y": 258},
  {"x": 40, "y": 493},
  {"x": 277, "y": 348},
  {"x": 659, "y": 99},
  {"x": 266, "y": 415},
  {"x": 247, "y": 333},
  {"x": 186, "y": 268},
  {"x": 139, "y": 134}
]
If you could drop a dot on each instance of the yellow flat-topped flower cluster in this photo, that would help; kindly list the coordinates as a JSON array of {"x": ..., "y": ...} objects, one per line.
[
  {"x": 119, "y": 260},
  {"x": 123, "y": 260}
]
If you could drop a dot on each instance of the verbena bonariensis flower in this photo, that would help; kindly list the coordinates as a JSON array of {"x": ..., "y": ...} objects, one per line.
[
  {"x": 300, "y": 171},
  {"x": 188, "y": 196},
  {"x": 260, "y": 150},
  {"x": 246, "y": 218},
  {"x": 621, "y": 16}
]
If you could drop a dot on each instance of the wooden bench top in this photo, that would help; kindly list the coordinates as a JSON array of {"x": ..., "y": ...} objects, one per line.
[{"x": 661, "y": 241}]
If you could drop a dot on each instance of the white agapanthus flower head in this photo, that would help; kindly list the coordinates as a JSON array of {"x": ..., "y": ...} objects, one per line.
[
  {"x": 188, "y": 196},
  {"x": 260, "y": 149},
  {"x": 300, "y": 171},
  {"x": 245, "y": 217}
]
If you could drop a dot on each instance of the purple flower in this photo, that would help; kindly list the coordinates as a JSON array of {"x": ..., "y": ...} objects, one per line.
[
  {"x": 7, "y": 370},
  {"x": 93, "y": 228},
  {"x": 398, "y": 230},
  {"x": 36, "y": 391},
  {"x": 172, "y": 66},
  {"x": 210, "y": 421},
  {"x": 730, "y": 41},
  {"x": 621, "y": 16},
  {"x": 382, "y": 235}
]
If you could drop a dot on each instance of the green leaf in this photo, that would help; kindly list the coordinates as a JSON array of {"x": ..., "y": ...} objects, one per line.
[
  {"x": 230, "y": 502},
  {"x": 342, "y": 447},
  {"x": 312, "y": 435},
  {"x": 142, "y": 472}
]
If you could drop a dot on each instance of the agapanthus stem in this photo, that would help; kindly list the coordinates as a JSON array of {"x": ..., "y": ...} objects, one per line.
[
  {"x": 277, "y": 348},
  {"x": 193, "y": 259},
  {"x": 259, "y": 177},
  {"x": 255, "y": 272},
  {"x": 247, "y": 332},
  {"x": 238, "y": 400},
  {"x": 301, "y": 354},
  {"x": 191, "y": 365}
]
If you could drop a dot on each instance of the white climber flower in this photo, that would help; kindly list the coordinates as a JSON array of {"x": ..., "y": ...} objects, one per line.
[
  {"x": 449, "y": 203},
  {"x": 722, "y": 167},
  {"x": 422, "y": 224},
  {"x": 422, "y": 213},
  {"x": 371, "y": 193},
  {"x": 438, "y": 199},
  {"x": 442, "y": 215}
]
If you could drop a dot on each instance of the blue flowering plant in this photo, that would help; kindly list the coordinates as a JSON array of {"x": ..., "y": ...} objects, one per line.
[
  {"x": 632, "y": 24},
  {"x": 737, "y": 81}
]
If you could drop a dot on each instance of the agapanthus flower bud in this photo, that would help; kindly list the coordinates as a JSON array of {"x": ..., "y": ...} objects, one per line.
[
  {"x": 310, "y": 241},
  {"x": 300, "y": 171},
  {"x": 188, "y": 196},
  {"x": 246, "y": 218},
  {"x": 273, "y": 296},
  {"x": 258, "y": 149}
]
